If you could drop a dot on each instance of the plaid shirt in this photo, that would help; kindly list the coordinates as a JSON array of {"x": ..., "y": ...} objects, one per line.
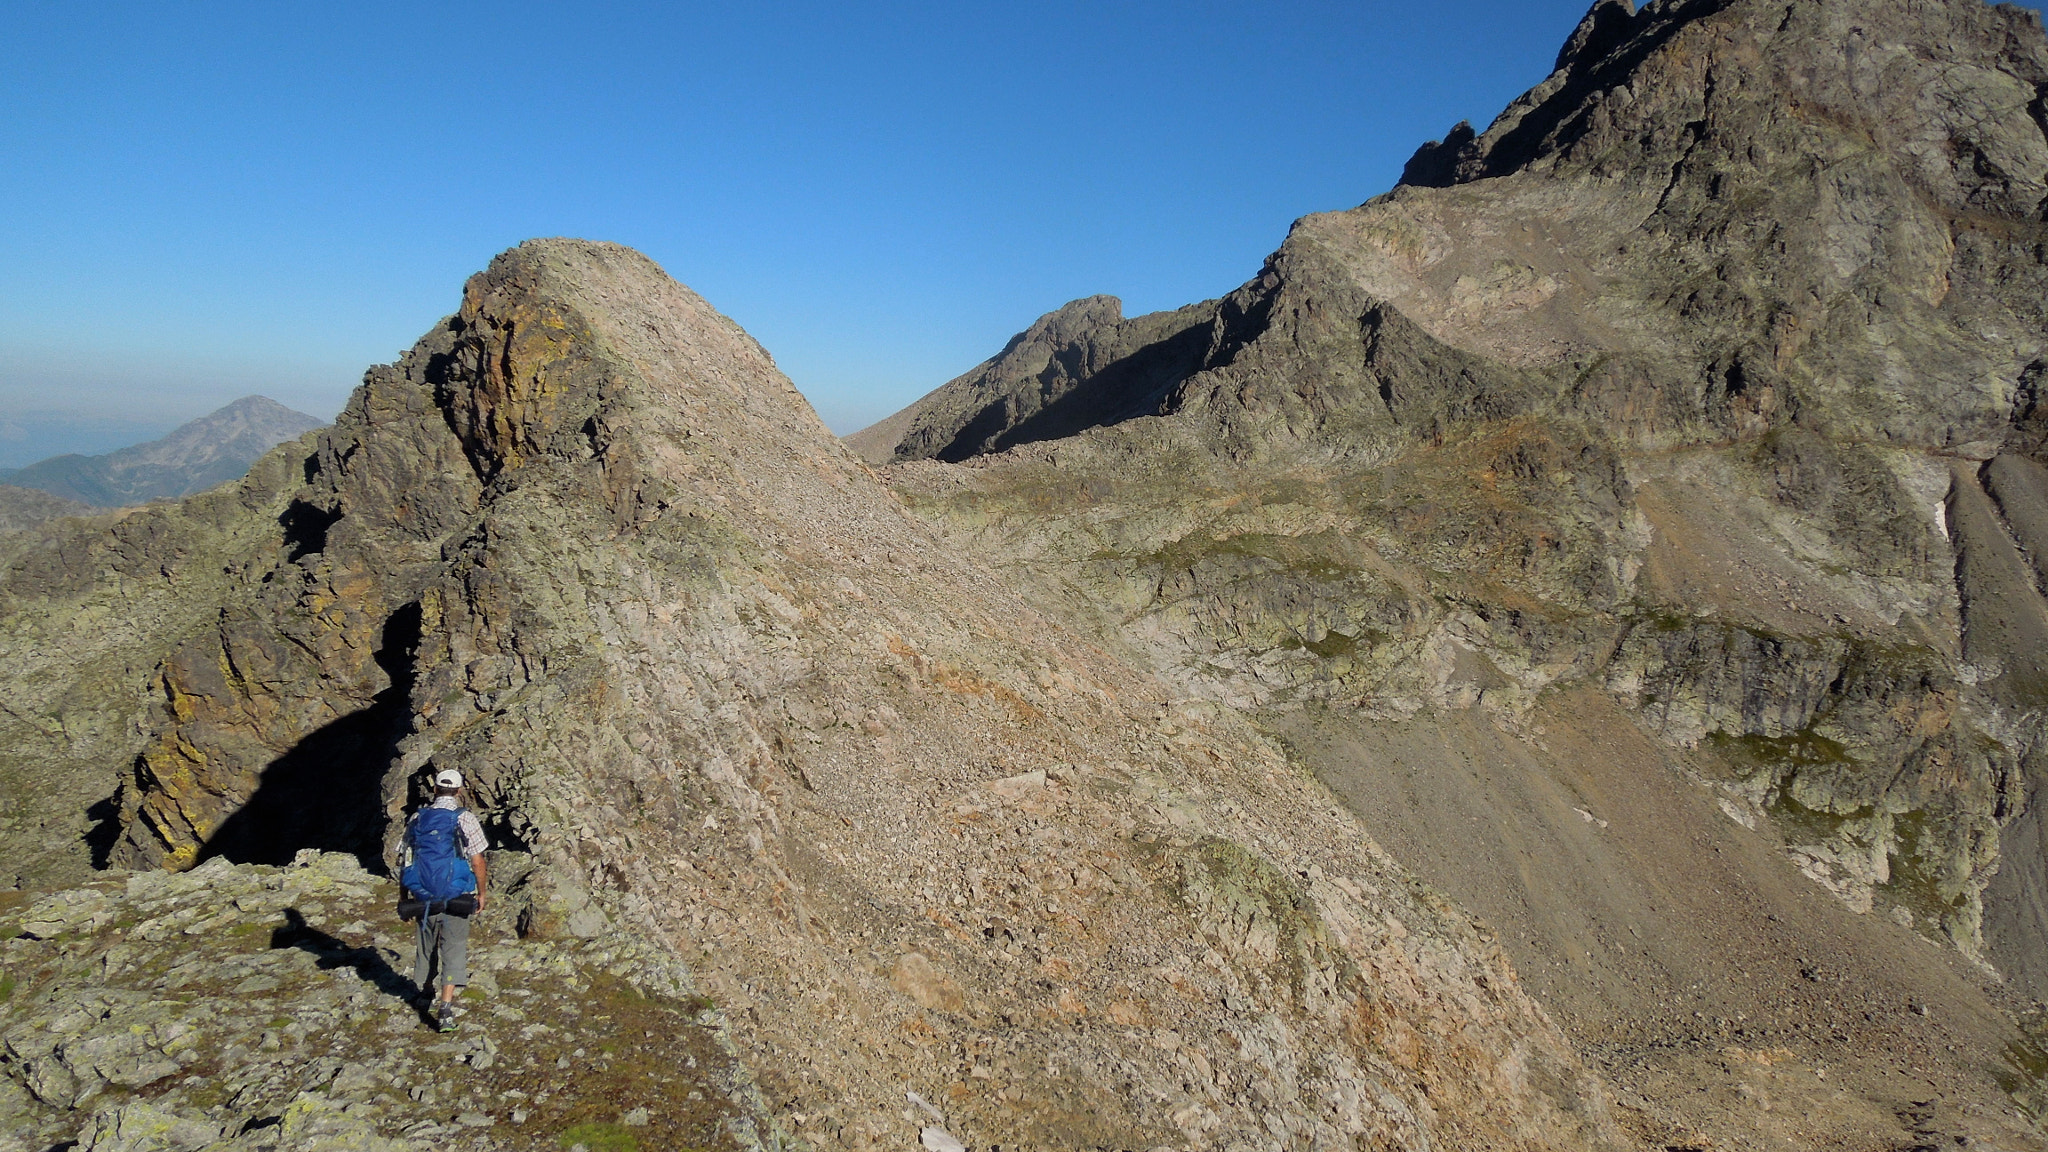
[{"x": 468, "y": 829}]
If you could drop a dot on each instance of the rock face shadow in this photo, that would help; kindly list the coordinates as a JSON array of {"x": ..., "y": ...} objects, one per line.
[
  {"x": 305, "y": 528},
  {"x": 334, "y": 952},
  {"x": 325, "y": 793},
  {"x": 105, "y": 831}
]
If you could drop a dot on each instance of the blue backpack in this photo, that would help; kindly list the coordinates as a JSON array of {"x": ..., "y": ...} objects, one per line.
[{"x": 439, "y": 871}]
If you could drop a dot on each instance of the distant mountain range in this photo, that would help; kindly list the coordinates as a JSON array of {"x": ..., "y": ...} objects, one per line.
[{"x": 211, "y": 450}]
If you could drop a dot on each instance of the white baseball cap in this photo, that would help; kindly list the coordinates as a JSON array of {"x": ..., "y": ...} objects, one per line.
[{"x": 447, "y": 778}]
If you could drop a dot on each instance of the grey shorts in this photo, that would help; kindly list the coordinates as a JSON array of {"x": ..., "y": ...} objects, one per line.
[{"x": 445, "y": 938}]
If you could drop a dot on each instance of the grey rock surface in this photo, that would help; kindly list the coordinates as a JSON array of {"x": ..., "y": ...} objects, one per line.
[
  {"x": 245, "y": 1008},
  {"x": 1030, "y": 391},
  {"x": 89, "y": 606}
]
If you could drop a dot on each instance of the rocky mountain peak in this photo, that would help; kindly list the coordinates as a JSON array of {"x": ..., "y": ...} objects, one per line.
[
  {"x": 1599, "y": 33},
  {"x": 223, "y": 432},
  {"x": 537, "y": 352},
  {"x": 1028, "y": 391},
  {"x": 1678, "y": 207}
]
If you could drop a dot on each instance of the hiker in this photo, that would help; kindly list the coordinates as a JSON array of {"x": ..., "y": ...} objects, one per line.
[{"x": 443, "y": 883}]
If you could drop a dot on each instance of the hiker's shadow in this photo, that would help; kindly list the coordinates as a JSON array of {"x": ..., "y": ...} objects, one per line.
[{"x": 334, "y": 952}]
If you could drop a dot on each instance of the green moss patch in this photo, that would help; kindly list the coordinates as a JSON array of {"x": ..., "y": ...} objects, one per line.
[
  {"x": 1913, "y": 883},
  {"x": 1335, "y": 645},
  {"x": 1794, "y": 750},
  {"x": 1802, "y": 825},
  {"x": 600, "y": 1138},
  {"x": 2029, "y": 1062},
  {"x": 1220, "y": 881},
  {"x": 625, "y": 1048}
]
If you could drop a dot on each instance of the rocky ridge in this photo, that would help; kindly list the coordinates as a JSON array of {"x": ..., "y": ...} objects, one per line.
[
  {"x": 89, "y": 605},
  {"x": 1632, "y": 520},
  {"x": 714, "y": 689},
  {"x": 1030, "y": 391},
  {"x": 1374, "y": 453},
  {"x": 1678, "y": 427}
]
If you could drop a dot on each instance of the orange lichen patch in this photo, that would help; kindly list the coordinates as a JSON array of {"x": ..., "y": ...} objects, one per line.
[
  {"x": 1926, "y": 715},
  {"x": 908, "y": 654},
  {"x": 918, "y": 978},
  {"x": 1764, "y": 1057},
  {"x": 1370, "y": 1029},
  {"x": 528, "y": 356},
  {"x": 954, "y": 678},
  {"x": 181, "y": 703},
  {"x": 1129, "y": 1013},
  {"x": 949, "y": 926}
]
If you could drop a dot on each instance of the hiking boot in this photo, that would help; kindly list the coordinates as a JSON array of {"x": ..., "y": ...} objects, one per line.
[{"x": 444, "y": 1017}]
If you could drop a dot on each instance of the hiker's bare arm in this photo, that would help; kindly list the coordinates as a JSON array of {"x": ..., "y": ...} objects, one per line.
[{"x": 483, "y": 879}]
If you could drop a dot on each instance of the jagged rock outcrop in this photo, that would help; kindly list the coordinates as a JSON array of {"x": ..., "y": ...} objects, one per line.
[
  {"x": 1704, "y": 380},
  {"x": 1735, "y": 216},
  {"x": 89, "y": 606},
  {"x": 714, "y": 688},
  {"x": 197, "y": 455}
]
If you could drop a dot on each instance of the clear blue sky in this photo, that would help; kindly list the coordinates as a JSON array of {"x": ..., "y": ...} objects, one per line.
[{"x": 202, "y": 200}]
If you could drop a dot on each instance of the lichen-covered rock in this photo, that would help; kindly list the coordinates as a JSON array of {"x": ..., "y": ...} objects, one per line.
[
  {"x": 245, "y": 1008},
  {"x": 27, "y": 507},
  {"x": 89, "y": 607},
  {"x": 141, "y": 1127}
]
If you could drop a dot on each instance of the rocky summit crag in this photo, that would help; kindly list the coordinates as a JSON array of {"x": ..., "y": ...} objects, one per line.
[{"x": 717, "y": 692}]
